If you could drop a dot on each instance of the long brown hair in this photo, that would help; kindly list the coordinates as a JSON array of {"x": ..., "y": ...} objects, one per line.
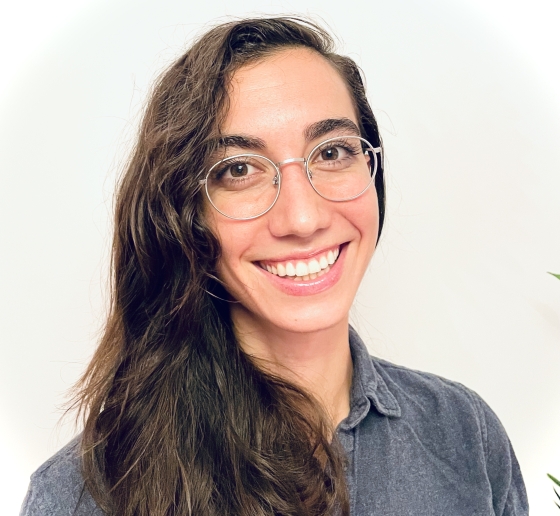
[{"x": 177, "y": 419}]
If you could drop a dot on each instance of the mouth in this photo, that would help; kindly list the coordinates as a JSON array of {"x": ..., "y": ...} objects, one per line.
[{"x": 303, "y": 269}]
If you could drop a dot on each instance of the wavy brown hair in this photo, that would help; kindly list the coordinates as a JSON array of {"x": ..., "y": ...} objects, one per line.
[{"x": 178, "y": 420}]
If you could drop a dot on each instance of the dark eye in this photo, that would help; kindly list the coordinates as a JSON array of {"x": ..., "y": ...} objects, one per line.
[
  {"x": 238, "y": 169},
  {"x": 329, "y": 154}
]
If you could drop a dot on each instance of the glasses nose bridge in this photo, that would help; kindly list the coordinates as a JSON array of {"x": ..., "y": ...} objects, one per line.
[
  {"x": 280, "y": 164},
  {"x": 289, "y": 161}
]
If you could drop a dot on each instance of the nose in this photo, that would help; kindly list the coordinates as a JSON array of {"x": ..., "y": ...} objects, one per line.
[{"x": 299, "y": 210}]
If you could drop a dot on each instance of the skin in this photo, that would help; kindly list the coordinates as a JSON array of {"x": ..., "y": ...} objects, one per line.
[{"x": 303, "y": 338}]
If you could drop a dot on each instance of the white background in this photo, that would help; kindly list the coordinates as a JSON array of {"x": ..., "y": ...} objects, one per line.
[{"x": 468, "y": 99}]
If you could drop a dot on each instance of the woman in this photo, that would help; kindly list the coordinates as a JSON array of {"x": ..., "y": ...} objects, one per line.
[{"x": 228, "y": 380}]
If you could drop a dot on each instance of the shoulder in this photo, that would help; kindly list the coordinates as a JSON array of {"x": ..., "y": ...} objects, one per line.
[
  {"x": 456, "y": 423},
  {"x": 57, "y": 487},
  {"x": 440, "y": 406},
  {"x": 414, "y": 389}
]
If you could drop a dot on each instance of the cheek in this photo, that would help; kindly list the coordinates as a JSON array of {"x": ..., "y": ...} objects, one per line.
[
  {"x": 217, "y": 226},
  {"x": 363, "y": 213},
  {"x": 367, "y": 223},
  {"x": 236, "y": 239}
]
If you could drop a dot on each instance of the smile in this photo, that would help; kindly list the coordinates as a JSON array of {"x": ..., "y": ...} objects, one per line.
[{"x": 303, "y": 270}]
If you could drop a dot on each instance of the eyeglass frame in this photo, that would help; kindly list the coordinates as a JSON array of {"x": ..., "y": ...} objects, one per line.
[{"x": 277, "y": 181}]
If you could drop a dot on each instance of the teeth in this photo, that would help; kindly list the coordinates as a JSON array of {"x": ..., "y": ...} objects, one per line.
[
  {"x": 304, "y": 270},
  {"x": 314, "y": 266}
]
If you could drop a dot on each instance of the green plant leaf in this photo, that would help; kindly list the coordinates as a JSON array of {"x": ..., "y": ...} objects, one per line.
[
  {"x": 556, "y": 276},
  {"x": 557, "y": 482}
]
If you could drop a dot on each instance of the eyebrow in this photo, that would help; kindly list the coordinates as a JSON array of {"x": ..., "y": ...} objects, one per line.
[
  {"x": 311, "y": 132},
  {"x": 242, "y": 142},
  {"x": 324, "y": 127}
]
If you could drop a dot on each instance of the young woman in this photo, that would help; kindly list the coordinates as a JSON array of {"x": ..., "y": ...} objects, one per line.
[{"x": 228, "y": 381}]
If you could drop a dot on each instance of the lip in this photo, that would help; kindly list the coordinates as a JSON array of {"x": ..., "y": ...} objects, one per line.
[{"x": 309, "y": 287}]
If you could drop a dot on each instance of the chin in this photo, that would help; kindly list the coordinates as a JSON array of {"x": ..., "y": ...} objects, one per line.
[{"x": 298, "y": 316}]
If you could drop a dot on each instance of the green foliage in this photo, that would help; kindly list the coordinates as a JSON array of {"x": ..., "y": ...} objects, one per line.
[
  {"x": 557, "y": 482},
  {"x": 555, "y": 275}
]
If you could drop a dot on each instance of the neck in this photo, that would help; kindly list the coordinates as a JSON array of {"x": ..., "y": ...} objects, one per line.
[{"x": 319, "y": 362}]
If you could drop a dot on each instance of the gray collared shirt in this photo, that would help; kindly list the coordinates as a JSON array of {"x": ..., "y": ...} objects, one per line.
[{"x": 417, "y": 445}]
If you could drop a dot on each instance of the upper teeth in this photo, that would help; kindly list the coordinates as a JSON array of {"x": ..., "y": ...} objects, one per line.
[{"x": 303, "y": 268}]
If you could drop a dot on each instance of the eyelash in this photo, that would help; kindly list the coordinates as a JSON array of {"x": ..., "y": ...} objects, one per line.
[
  {"x": 218, "y": 175},
  {"x": 342, "y": 144}
]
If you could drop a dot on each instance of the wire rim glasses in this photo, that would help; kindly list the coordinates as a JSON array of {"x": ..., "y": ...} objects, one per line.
[{"x": 246, "y": 186}]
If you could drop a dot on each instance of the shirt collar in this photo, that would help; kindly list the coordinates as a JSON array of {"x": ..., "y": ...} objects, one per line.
[{"x": 368, "y": 387}]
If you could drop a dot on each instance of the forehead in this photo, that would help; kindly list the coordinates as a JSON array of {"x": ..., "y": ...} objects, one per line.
[{"x": 292, "y": 88}]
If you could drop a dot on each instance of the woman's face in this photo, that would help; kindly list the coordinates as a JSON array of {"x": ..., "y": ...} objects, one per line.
[{"x": 282, "y": 104}]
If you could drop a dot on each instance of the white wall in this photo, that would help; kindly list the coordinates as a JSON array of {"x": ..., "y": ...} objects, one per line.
[{"x": 467, "y": 96}]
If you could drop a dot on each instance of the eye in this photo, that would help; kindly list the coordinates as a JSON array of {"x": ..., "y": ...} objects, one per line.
[
  {"x": 239, "y": 169},
  {"x": 338, "y": 150},
  {"x": 242, "y": 172},
  {"x": 333, "y": 154},
  {"x": 330, "y": 153}
]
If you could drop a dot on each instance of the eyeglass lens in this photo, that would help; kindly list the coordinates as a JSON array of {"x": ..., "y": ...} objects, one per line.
[{"x": 247, "y": 185}]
